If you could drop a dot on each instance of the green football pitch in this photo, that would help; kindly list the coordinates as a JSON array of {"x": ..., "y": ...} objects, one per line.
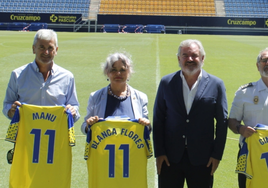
[{"x": 231, "y": 58}]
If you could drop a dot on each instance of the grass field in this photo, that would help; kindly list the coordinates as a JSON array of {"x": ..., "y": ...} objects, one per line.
[{"x": 232, "y": 58}]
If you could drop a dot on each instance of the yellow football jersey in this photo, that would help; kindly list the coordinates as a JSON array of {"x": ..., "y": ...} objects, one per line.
[
  {"x": 116, "y": 153},
  {"x": 42, "y": 156},
  {"x": 253, "y": 158}
]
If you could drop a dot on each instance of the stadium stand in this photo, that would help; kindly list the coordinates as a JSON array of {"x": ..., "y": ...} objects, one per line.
[
  {"x": 237, "y": 8},
  {"x": 96, "y": 13},
  {"x": 46, "y": 6},
  {"x": 159, "y": 7},
  {"x": 246, "y": 8}
]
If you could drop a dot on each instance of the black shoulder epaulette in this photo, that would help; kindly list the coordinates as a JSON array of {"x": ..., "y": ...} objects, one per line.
[{"x": 247, "y": 85}]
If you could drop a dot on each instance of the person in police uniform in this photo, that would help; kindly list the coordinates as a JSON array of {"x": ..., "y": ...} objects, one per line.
[{"x": 250, "y": 105}]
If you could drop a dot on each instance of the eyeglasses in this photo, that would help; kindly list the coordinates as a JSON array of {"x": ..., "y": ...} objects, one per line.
[{"x": 264, "y": 60}]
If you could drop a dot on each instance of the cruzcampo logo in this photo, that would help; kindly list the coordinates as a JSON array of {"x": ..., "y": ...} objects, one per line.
[
  {"x": 266, "y": 22},
  {"x": 53, "y": 18}
]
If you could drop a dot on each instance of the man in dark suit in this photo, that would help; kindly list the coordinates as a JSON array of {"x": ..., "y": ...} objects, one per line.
[{"x": 187, "y": 143}]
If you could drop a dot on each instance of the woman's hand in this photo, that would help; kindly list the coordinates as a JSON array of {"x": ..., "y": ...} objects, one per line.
[
  {"x": 92, "y": 120},
  {"x": 145, "y": 122}
]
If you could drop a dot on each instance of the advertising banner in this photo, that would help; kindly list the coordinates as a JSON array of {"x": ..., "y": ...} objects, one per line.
[
  {"x": 36, "y": 17},
  {"x": 197, "y": 21}
]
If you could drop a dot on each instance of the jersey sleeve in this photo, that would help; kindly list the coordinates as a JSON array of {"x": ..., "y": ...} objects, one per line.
[
  {"x": 71, "y": 133},
  {"x": 243, "y": 166},
  {"x": 147, "y": 140},
  {"x": 13, "y": 127},
  {"x": 87, "y": 146}
]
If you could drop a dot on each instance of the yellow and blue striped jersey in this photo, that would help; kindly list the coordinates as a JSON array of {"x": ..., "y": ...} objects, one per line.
[
  {"x": 42, "y": 156},
  {"x": 253, "y": 158},
  {"x": 116, "y": 153}
]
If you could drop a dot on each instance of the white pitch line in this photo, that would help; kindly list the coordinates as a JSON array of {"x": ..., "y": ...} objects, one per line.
[
  {"x": 157, "y": 71},
  {"x": 232, "y": 138}
]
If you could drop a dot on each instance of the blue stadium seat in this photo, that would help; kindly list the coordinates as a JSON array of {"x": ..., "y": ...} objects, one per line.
[
  {"x": 48, "y": 9},
  {"x": 5, "y": 9},
  {"x": 27, "y": 9},
  {"x": 80, "y": 5},
  {"x": 40, "y": 9},
  {"x": 86, "y": 4},
  {"x": 78, "y": 11},
  {"x": 63, "y": 10}
]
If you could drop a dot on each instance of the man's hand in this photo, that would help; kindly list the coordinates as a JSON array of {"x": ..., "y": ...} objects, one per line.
[
  {"x": 13, "y": 108},
  {"x": 72, "y": 109},
  {"x": 246, "y": 131},
  {"x": 215, "y": 163},
  {"x": 159, "y": 162}
]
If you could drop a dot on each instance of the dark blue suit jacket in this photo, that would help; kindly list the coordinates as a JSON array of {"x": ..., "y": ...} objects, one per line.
[{"x": 205, "y": 127}]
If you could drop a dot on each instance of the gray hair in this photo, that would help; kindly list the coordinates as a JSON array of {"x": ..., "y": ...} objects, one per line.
[
  {"x": 46, "y": 34},
  {"x": 259, "y": 56},
  {"x": 112, "y": 58},
  {"x": 188, "y": 42}
]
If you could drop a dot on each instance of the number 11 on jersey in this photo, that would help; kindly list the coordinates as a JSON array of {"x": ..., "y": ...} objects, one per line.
[
  {"x": 36, "y": 147},
  {"x": 112, "y": 153}
]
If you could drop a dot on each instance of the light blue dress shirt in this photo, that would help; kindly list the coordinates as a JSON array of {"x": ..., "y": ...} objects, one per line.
[{"x": 27, "y": 85}]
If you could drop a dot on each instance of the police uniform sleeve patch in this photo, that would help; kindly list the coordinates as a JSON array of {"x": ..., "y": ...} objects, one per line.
[{"x": 247, "y": 85}]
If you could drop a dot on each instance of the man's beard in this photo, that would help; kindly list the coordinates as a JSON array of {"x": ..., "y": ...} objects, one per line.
[
  {"x": 264, "y": 71},
  {"x": 192, "y": 71}
]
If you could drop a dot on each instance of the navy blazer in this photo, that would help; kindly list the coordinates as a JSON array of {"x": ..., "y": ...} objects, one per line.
[{"x": 172, "y": 125}]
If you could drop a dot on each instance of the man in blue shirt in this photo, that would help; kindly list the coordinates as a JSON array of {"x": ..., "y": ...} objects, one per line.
[{"x": 42, "y": 82}]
